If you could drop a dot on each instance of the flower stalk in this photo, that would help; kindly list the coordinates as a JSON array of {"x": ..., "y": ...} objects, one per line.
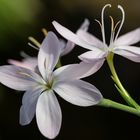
[
  {"x": 119, "y": 85},
  {"x": 109, "y": 103}
]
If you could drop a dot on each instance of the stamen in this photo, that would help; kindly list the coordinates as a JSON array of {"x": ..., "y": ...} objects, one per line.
[
  {"x": 116, "y": 25},
  {"x": 25, "y": 74},
  {"x": 112, "y": 23},
  {"x": 122, "y": 22},
  {"x": 102, "y": 19},
  {"x": 112, "y": 30},
  {"x": 34, "y": 41},
  {"x": 33, "y": 46},
  {"x": 45, "y": 32},
  {"x": 99, "y": 23}
]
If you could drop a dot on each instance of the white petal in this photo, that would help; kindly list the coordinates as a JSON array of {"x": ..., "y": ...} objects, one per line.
[
  {"x": 92, "y": 56},
  {"x": 71, "y": 36},
  {"x": 18, "y": 78},
  {"x": 130, "y": 52},
  {"x": 90, "y": 39},
  {"x": 85, "y": 25},
  {"x": 76, "y": 71},
  {"x": 48, "y": 54},
  {"x": 129, "y": 38},
  {"x": 78, "y": 92},
  {"x": 28, "y": 108},
  {"x": 48, "y": 115},
  {"x": 68, "y": 48},
  {"x": 70, "y": 45}
]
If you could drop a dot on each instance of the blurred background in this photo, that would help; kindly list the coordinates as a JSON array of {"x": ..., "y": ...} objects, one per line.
[{"x": 20, "y": 19}]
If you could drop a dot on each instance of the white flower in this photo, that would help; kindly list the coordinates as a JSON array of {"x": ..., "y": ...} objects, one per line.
[
  {"x": 40, "y": 86},
  {"x": 100, "y": 50}
]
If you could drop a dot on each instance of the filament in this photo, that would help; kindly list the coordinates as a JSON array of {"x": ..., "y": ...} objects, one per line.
[
  {"x": 33, "y": 46},
  {"x": 102, "y": 21},
  {"x": 45, "y": 32},
  {"x": 122, "y": 21},
  {"x": 34, "y": 41}
]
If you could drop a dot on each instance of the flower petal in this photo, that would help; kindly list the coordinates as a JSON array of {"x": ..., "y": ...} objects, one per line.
[
  {"x": 48, "y": 54},
  {"x": 129, "y": 38},
  {"x": 18, "y": 78},
  {"x": 130, "y": 52},
  {"x": 90, "y": 39},
  {"x": 78, "y": 92},
  {"x": 70, "y": 45},
  {"x": 71, "y": 36},
  {"x": 29, "y": 101},
  {"x": 48, "y": 115},
  {"x": 76, "y": 71},
  {"x": 29, "y": 63},
  {"x": 92, "y": 56}
]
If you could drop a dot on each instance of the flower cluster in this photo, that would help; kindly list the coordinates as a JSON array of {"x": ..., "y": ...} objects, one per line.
[{"x": 41, "y": 77}]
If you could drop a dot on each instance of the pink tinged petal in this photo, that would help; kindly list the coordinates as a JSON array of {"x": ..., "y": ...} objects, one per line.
[
  {"x": 71, "y": 36},
  {"x": 90, "y": 39},
  {"x": 28, "y": 108},
  {"x": 129, "y": 38},
  {"x": 18, "y": 78},
  {"x": 48, "y": 115},
  {"x": 129, "y": 52},
  {"x": 92, "y": 56},
  {"x": 78, "y": 92},
  {"x": 29, "y": 63},
  {"x": 48, "y": 54}
]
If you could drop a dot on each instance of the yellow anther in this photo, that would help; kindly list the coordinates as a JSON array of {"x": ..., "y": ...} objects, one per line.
[
  {"x": 45, "y": 32},
  {"x": 34, "y": 41}
]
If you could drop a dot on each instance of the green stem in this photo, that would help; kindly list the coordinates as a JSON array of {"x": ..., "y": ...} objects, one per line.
[
  {"x": 119, "y": 85},
  {"x": 112, "y": 104}
]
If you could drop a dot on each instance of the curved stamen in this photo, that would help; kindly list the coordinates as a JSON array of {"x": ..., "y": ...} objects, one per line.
[
  {"x": 45, "y": 32},
  {"x": 112, "y": 30},
  {"x": 102, "y": 19},
  {"x": 116, "y": 25},
  {"x": 33, "y": 46},
  {"x": 34, "y": 41},
  {"x": 99, "y": 24},
  {"x": 123, "y": 18}
]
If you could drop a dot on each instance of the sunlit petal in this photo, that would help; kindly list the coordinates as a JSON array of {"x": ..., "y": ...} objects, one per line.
[
  {"x": 92, "y": 56},
  {"x": 71, "y": 36},
  {"x": 90, "y": 39},
  {"x": 18, "y": 78},
  {"x": 129, "y": 38},
  {"x": 48, "y": 54},
  {"x": 130, "y": 52},
  {"x": 48, "y": 115},
  {"x": 78, "y": 92},
  {"x": 28, "y": 108}
]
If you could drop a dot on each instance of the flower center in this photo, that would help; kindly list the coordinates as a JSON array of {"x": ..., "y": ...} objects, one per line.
[{"x": 49, "y": 81}]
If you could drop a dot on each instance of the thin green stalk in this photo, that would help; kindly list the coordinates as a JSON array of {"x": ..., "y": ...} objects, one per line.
[
  {"x": 119, "y": 85},
  {"x": 112, "y": 104}
]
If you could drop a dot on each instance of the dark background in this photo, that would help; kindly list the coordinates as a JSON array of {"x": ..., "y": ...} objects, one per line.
[{"x": 20, "y": 19}]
